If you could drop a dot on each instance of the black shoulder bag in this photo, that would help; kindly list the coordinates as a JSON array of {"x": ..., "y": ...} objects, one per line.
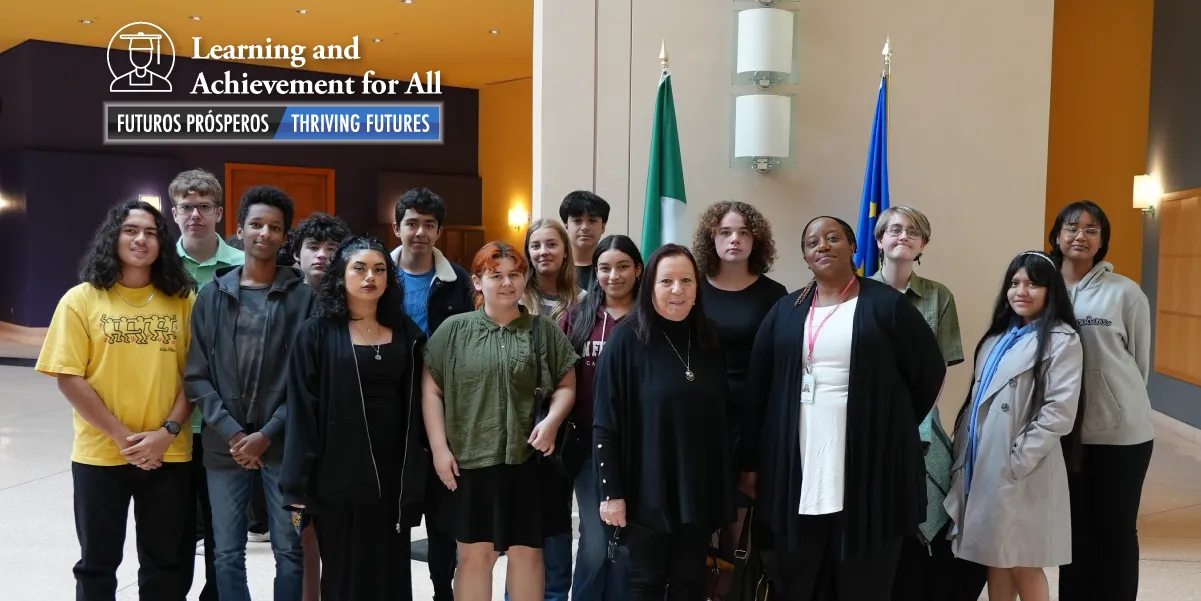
[{"x": 567, "y": 457}]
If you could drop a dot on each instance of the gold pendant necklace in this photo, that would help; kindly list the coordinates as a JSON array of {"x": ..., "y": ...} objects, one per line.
[
  {"x": 133, "y": 305},
  {"x": 687, "y": 362}
]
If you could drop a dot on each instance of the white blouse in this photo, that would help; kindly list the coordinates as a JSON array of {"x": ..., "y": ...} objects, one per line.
[{"x": 823, "y": 423}]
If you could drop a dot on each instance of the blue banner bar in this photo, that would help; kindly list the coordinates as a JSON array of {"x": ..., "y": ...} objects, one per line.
[{"x": 362, "y": 123}]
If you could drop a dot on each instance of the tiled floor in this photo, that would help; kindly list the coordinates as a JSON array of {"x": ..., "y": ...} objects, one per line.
[{"x": 38, "y": 545}]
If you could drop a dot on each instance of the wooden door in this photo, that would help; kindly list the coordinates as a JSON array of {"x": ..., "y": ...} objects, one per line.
[
  {"x": 311, "y": 189},
  {"x": 460, "y": 243}
]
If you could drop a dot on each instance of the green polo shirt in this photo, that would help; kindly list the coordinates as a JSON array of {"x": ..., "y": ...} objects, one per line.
[
  {"x": 203, "y": 273},
  {"x": 486, "y": 373},
  {"x": 937, "y": 305}
]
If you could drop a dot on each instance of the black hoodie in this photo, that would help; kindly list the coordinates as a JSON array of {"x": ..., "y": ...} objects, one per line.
[
  {"x": 328, "y": 460},
  {"x": 212, "y": 382}
]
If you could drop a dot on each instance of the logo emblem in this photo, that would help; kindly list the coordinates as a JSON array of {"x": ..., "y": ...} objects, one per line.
[{"x": 146, "y": 69}]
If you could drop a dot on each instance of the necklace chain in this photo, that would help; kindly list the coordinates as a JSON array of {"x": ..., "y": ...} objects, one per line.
[
  {"x": 133, "y": 305},
  {"x": 687, "y": 362},
  {"x": 374, "y": 346}
]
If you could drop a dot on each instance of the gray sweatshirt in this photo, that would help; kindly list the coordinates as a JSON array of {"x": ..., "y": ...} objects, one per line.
[{"x": 1115, "y": 326}]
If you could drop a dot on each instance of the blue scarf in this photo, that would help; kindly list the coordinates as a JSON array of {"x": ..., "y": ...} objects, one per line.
[{"x": 1011, "y": 338}]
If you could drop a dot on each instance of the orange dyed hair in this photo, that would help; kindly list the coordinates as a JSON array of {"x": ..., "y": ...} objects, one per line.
[{"x": 488, "y": 259}]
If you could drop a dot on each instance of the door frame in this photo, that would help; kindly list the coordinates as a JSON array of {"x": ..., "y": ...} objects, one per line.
[{"x": 231, "y": 203}]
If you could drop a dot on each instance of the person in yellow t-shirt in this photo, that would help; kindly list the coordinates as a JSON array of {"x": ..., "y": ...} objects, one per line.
[{"x": 118, "y": 344}]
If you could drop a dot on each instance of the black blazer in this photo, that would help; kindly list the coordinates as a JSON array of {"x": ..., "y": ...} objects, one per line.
[
  {"x": 896, "y": 373},
  {"x": 327, "y": 454}
]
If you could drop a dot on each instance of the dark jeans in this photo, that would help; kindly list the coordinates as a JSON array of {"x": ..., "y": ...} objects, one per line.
[
  {"x": 256, "y": 510},
  {"x": 667, "y": 566},
  {"x": 199, "y": 521},
  {"x": 160, "y": 508},
  {"x": 933, "y": 573},
  {"x": 816, "y": 570},
  {"x": 1105, "y": 498}
]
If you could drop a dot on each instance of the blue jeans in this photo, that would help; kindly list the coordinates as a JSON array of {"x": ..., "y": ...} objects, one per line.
[
  {"x": 229, "y": 492},
  {"x": 596, "y": 578}
]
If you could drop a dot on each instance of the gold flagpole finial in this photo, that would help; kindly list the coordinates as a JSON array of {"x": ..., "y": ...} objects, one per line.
[
  {"x": 887, "y": 52},
  {"x": 663, "y": 54}
]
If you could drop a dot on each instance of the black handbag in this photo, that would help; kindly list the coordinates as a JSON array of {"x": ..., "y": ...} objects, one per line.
[
  {"x": 737, "y": 576},
  {"x": 568, "y": 456}
]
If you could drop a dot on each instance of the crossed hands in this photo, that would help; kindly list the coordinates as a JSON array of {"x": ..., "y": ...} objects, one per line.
[
  {"x": 248, "y": 450},
  {"x": 145, "y": 449}
]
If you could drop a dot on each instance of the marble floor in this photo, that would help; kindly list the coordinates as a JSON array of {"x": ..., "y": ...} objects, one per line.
[{"x": 38, "y": 544}]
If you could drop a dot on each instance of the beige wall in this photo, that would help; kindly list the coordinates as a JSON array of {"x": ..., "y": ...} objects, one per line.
[{"x": 969, "y": 114}]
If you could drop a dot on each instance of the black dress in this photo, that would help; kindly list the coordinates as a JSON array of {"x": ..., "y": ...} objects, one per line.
[{"x": 365, "y": 548}]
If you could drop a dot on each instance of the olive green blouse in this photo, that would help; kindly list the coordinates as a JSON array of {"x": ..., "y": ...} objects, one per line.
[{"x": 486, "y": 373}]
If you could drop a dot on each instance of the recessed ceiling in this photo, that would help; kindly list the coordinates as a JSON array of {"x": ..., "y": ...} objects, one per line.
[{"x": 451, "y": 36}]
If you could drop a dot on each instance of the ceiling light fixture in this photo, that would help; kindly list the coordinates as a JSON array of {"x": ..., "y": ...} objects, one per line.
[
  {"x": 494, "y": 31},
  {"x": 376, "y": 40},
  {"x": 195, "y": 17},
  {"x": 303, "y": 11},
  {"x": 406, "y": 1},
  {"x": 86, "y": 21}
]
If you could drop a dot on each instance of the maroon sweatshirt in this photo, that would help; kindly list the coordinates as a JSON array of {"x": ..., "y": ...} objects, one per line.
[{"x": 581, "y": 412}]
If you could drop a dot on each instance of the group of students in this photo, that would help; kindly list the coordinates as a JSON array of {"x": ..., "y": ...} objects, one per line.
[{"x": 366, "y": 389}]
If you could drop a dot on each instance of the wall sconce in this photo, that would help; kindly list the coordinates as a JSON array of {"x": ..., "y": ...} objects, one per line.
[
  {"x": 762, "y": 129},
  {"x": 1146, "y": 193},
  {"x": 518, "y": 218},
  {"x": 152, "y": 201},
  {"x": 765, "y": 44}
]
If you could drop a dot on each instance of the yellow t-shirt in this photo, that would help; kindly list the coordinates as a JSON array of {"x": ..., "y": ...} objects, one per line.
[{"x": 132, "y": 352}]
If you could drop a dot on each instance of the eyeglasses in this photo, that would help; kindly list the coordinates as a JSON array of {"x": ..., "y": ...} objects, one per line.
[
  {"x": 1090, "y": 232},
  {"x": 186, "y": 209},
  {"x": 896, "y": 230}
]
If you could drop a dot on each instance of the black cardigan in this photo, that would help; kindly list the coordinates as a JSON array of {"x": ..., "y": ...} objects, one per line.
[
  {"x": 327, "y": 452},
  {"x": 896, "y": 373}
]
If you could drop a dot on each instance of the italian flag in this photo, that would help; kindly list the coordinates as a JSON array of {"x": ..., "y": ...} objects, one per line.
[{"x": 663, "y": 217}]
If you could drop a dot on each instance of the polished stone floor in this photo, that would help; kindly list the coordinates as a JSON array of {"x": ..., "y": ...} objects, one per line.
[{"x": 38, "y": 544}]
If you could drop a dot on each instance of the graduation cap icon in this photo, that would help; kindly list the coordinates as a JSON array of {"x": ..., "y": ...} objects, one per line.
[{"x": 144, "y": 44}]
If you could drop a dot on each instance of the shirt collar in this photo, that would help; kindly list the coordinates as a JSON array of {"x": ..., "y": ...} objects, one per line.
[
  {"x": 917, "y": 285},
  {"x": 523, "y": 322},
  {"x": 225, "y": 255}
]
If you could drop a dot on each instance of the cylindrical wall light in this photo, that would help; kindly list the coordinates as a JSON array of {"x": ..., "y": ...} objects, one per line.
[
  {"x": 762, "y": 128},
  {"x": 765, "y": 44}
]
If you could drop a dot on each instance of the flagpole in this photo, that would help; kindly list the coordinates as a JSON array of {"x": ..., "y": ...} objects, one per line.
[
  {"x": 887, "y": 52},
  {"x": 663, "y": 55}
]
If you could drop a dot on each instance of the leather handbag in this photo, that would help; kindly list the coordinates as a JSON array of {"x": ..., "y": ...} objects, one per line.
[
  {"x": 568, "y": 456},
  {"x": 739, "y": 575}
]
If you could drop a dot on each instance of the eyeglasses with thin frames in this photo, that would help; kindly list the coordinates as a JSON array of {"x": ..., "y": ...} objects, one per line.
[
  {"x": 205, "y": 210},
  {"x": 1090, "y": 231},
  {"x": 896, "y": 231}
]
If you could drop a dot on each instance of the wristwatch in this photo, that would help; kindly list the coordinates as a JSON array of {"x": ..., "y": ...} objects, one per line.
[{"x": 172, "y": 427}]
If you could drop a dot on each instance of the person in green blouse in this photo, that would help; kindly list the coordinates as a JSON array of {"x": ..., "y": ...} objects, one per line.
[
  {"x": 927, "y": 568},
  {"x": 481, "y": 369}
]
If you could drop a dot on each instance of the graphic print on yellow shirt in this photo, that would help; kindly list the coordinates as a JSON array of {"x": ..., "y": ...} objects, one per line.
[{"x": 131, "y": 348}]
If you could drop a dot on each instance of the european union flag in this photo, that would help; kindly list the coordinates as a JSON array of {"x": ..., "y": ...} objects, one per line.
[{"x": 875, "y": 188}]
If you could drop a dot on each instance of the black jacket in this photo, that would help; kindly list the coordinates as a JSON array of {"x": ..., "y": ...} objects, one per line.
[
  {"x": 451, "y": 291},
  {"x": 896, "y": 373},
  {"x": 328, "y": 460},
  {"x": 213, "y": 384}
]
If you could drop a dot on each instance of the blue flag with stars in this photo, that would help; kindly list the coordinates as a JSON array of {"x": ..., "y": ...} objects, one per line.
[{"x": 875, "y": 189}]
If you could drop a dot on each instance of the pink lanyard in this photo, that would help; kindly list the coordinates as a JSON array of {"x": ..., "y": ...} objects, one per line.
[{"x": 812, "y": 334}]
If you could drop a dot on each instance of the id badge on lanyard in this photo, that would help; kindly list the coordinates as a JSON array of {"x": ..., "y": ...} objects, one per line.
[{"x": 808, "y": 383}]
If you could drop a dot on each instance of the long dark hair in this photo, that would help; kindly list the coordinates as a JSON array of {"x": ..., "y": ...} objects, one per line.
[
  {"x": 102, "y": 265},
  {"x": 331, "y": 298},
  {"x": 1058, "y": 308},
  {"x": 1070, "y": 215},
  {"x": 643, "y": 318},
  {"x": 583, "y": 315}
]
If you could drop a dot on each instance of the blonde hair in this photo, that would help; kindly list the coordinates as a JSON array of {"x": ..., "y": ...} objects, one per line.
[
  {"x": 564, "y": 281},
  {"x": 910, "y": 214}
]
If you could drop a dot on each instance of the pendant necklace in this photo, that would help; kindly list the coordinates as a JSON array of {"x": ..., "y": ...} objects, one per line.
[
  {"x": 687, "y": 362},
  {"x": 374, "y": 346},
  {"x": 133, "y": 305}
]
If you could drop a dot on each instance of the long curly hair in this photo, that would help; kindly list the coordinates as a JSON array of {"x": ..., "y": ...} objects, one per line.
[
  {"x": 332, "y": 299},
  {"x": 101, "y": 266},
  {"x": 763, "y": 250}
]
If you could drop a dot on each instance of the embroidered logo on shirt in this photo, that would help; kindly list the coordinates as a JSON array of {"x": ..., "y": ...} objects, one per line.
[{"x": 1094, "y": 321}]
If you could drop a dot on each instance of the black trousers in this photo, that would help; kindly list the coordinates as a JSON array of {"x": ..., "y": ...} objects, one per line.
[
  {"x": 442, "y": 558},
  {"x": 1105, "y": 499},
  {"x": 933, "y": 573},
  {"x": 256, "y": 511},
  {"x": 160, "y": 506},
  {"x": 667, "y": 566},
  {"x": 200, "y": 522},
  {"x": 815, "y": 569}
]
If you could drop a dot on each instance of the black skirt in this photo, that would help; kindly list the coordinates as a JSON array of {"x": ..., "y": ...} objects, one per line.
[{"x": 507, "y": 505}]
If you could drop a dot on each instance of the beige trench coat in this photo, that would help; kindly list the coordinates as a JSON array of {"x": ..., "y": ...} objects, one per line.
[{"x": 1018, "y": 514}]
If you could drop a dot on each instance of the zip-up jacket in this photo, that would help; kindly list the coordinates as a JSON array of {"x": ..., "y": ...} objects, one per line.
[
  {"x": 212, "y": 381},
  {"x": 451, "y": 291},
  {"x": 585, "y": 368},
  {"x": 328, "y": 459}
]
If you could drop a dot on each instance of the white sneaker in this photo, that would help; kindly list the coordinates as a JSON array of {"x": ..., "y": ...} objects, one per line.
[
  {"x": 200, "y": 548},
  {"x": 255, "y": 537}
]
